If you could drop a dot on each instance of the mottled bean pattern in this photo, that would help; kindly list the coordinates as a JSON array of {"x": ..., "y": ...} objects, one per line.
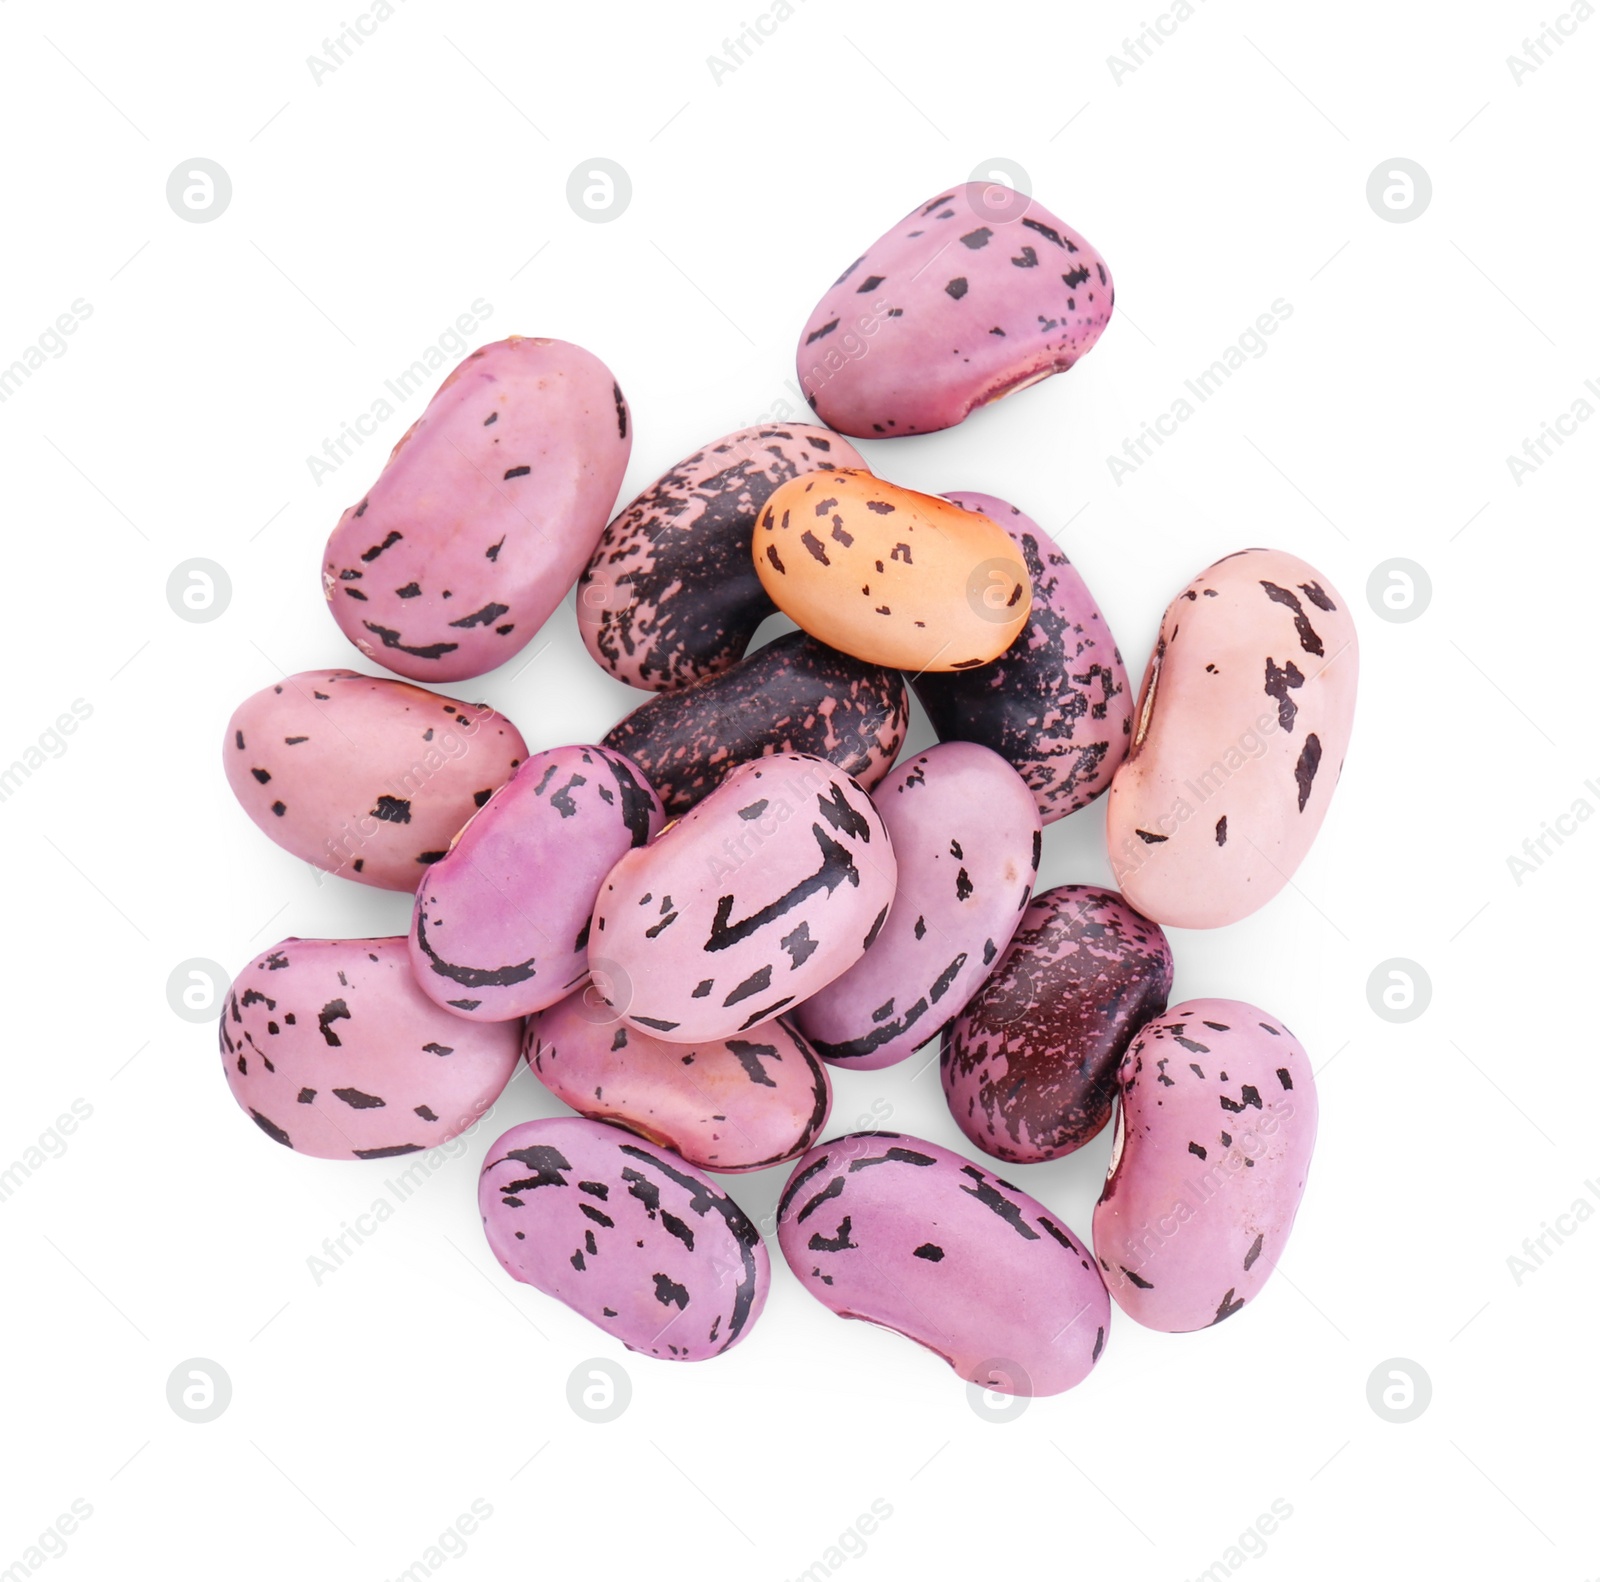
[
  {"x": 890, "y": 575},
  {"x": 671, "y": 594},
  {"x": 795, "y": 695},
  {"x": 1056, "y": 705},
  {"x": 1029, "y": 1067}
]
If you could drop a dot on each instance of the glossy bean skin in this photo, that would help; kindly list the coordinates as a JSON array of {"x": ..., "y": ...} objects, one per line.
[
  {"x": 761, "y": 894},
  {"x": 795, "y": 695},
  {"x": 670, "y": 595},
  {"x": 966, "y": 838},
  {"x": 1029, "y": 1067},
  {"x": 892, "y": 576},
  {"x": 1056, "y": 705},
  {"x": 332, "y": 1050},
  {"x": 362, "y": 776},
  {"x": 485, "y": 512},
  {"x": 626, "y": 1234},
  {"x": 1215, "y": 1130},
  {"x": 1241, "y": 732},
  {"x": 975, "y": 294},
  {"x": 906, "y": 1234},
  {"x": 732, "y": 1104},
  {"x": 501, "y": 922}
]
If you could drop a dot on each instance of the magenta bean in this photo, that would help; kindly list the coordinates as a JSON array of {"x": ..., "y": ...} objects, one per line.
[
  {"x": 501, "y": 923},
  {"x": 966, "y": 840},
  {"x": 626, "y": 1234},
  {"x": 911, "y": 1236}
]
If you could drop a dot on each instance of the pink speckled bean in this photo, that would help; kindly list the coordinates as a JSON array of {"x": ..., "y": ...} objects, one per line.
[
  {"x": 1217, "y": 1120},
  {"x": 731, "y": 1104},
  {"x": 485, "y": 512},
  {"x": 1240, "y": 734},
  {"x": 975, "y": 294},
  {"x": 748, "y": 904},
  {"x": 362, "y": 776},
  {"x": 332, "y": 1050}
]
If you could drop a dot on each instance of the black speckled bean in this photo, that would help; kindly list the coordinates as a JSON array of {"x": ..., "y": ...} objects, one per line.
[
  {"x": 1056, "y": 705},
  {"x": 671, "y": 594},
  {"x": 796, "y": 695}
]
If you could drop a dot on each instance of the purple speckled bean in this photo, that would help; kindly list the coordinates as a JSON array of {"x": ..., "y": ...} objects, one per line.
[
  {"x": 729, "y": 1104},
  {"x": 671, "y": 594},
  {"x": 747, "y": 905},
  {"x": 1056, "y": 705},
  {"x": 1217, "y": 1122},
  {"x": 501, "y": 924},
  {"x": 626, "y": 1234},
  {"x": 975, "y": 294},
  {"x": 906, "y": 1234},
  {"x": 796, "y": 695},
  {"x": 966, "y": 839},
  {"x": 485, "y": 512},
  {"x": 1030, "y": 1065},
  {"x": 332, "y": 1050}
]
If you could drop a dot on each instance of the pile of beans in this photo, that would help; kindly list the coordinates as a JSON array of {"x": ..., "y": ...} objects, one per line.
[{"x": 683, "y": 926}]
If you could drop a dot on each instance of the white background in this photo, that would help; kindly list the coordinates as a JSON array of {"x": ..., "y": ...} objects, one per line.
[{"x": 1229, "y": 170}]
